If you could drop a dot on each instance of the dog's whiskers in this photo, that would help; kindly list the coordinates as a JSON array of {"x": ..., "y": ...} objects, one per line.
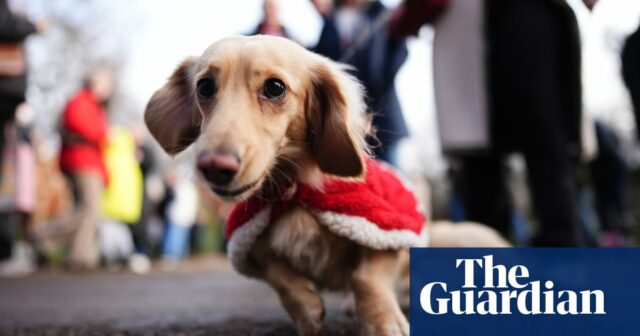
[
  {"x": 273, "y": 177},
  {"x": 295, "y": 165}
]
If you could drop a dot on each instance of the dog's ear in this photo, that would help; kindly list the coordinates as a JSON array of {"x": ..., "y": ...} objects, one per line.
[
  {"x": 171, "y": 114},
  {"x": 334, "y": 105}
]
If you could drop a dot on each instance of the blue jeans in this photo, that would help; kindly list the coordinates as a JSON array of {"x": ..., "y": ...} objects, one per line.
[{"x": 176, "y": 241}]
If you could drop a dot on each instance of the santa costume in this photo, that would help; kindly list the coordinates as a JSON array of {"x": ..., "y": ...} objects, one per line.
[{"x": 380, "y": 212}]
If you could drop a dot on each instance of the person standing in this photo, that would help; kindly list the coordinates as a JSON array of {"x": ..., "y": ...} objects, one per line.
[
  {"x": 270, "y": 24},
  {"x": 355, "y": 32},
  {"x": 630, "y": 57},
  {"x": 17, "y": 193},
  {"x": 84, "y": 129},
  {"x": 13, "y": 83},
  {"x": 507, "y": 79},
  {"x": 13, "y": 64}
]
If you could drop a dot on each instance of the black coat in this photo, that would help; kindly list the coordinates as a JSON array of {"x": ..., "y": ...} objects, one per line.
[
  {"x": 12, "y": 30},
  {"x": 376, "y": 65},
  {"x": 534, "y": 74},
  {"x": 631, "y": 72}
]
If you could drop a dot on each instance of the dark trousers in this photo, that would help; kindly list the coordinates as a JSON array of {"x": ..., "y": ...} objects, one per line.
[
  {"x": 7, "y": 234},
  {"x": 534, "y": 105},
  {"x": 139, "y": 230},
  {"x": 553, "y": 189},
  {"x": 8, "y": 222},
  {"x": 7, "y": 113},
  {"x": 9, "y": 225},
  {"x": 610, "y": 175}
]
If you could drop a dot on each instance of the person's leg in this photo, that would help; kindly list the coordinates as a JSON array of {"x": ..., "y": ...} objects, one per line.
[
  {"x": 7, "y": 227},
  {"x": 7, "y": 235},
  {"x": 552, "y": 181},
  {"x": 534, "y": 87},
  {"x": 139, "y": 230},
  {"x": 84, "y": 244},
  {"x": 171, "y": 241},
  {"x": 610, "y": 175},
  {"x": 484, "y": 193},
  {"x": 7, "y": 114},
  {"x": 176, "y": 242}
]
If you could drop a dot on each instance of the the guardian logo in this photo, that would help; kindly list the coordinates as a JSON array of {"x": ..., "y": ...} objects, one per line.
[{"x": 506, "y": 291}]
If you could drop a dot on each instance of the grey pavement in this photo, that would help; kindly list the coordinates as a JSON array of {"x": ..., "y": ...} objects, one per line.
[{"x": 202, "y": 297}]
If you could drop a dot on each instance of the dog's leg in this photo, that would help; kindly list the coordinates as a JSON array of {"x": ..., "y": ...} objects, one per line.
[
  {"x": 376, "y": 304},
  {"x": 403, "y": 283},
  {"x": 289, "y": 247},
  {"x": 299, "y": 297}
]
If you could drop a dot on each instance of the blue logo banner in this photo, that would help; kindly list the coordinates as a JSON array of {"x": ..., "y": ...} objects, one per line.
[{"x": 520, "y": 292}]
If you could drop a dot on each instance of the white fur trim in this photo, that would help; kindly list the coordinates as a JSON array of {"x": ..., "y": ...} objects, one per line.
[
  {"x": 364, "y": 232},
  {"x": 244, "y": 237},
  {"x": 357, "y": 229}
]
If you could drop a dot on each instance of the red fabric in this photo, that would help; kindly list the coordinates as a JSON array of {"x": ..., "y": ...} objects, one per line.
[
  {"x": 84, "y": 118},
  {"x": 412, "y": 14},
  {"x": 382, "y": 199}
]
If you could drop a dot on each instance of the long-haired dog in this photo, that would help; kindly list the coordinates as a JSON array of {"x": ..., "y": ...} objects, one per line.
[{"x": 279, "y": 128}]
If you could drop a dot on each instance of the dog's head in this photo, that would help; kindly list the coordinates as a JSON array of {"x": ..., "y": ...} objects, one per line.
[{"x": 258, "y": 106}]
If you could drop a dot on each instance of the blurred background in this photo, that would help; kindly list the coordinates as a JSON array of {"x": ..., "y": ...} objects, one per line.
[{"x": 517, "y": 114}]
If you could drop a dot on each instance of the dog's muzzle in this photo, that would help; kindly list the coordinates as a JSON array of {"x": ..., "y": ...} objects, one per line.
[{"x": 218, "y": 167}]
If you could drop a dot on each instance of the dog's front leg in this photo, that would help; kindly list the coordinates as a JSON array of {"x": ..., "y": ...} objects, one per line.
[
  {"x": 376, "y": 304},
  {"x": 299, "y": 297}
]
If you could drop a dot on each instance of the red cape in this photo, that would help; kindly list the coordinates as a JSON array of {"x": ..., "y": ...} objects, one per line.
[{"x": 381, "y": 212}]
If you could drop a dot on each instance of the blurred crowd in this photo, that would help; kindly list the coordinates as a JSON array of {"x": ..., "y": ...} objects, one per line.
[{"x": 527, "y": 152}]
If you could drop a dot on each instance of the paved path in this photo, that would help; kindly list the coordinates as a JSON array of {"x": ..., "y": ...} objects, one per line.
[{"x": 203, "y": 297}]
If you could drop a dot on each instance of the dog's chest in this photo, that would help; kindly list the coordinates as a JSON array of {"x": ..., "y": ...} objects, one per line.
[{"x": 313, "y": 250}]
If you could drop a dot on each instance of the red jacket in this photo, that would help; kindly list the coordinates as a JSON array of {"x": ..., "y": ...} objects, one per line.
[
  {"x": 85, "y": 126},
  {"x": 381, "y": 213}
]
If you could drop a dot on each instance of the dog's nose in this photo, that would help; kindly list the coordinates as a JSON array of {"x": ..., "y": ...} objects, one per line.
[{"x": 218, "y": 167}]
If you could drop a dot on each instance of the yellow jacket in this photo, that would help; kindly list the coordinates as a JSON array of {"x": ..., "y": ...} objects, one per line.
[{"x": 122, "y": 199}]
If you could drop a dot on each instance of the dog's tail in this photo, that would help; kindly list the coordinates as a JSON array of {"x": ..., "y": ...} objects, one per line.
[{"x": 447, "y": 234}]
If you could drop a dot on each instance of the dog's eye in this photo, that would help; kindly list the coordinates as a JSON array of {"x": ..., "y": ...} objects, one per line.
[
  {"x": 274, "y": 89},
  {"x": 205, "y": 89}
]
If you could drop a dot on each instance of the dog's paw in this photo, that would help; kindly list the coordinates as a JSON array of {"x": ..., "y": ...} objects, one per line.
[
  {"x": 308, "y": 328},
  {"x": 392, "y": 325},
  {"x": 310, "y": 318},
  {"x": 311, "y": 325}
]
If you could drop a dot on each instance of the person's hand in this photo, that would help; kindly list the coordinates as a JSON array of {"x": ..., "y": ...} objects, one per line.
[{"x": 42, "y": 26}]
